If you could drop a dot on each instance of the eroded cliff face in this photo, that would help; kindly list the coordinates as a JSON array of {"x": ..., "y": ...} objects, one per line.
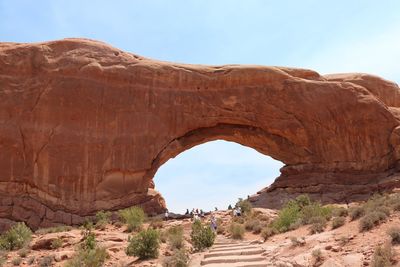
[{"x": 85, "y": 126}]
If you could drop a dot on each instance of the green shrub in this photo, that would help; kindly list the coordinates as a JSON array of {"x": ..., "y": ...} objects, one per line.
[
  {"x": 287, "y": 216},
  {"x": 89, "y": 253},
  {"x": 56, "y": 243},
  {"x": 16, "y": 261},
  {"x": 382, "y": 256},
  {"x": 144, "y": 245},
  {"x": 303, "y": 200},
  {"x": 89, "y": 258},
  {"x": 371, "y": 219},
  {"x": 175, "y": 237},
  {"x": 268, "y": 232},
  {"x": 220, "y": 227},
  {"x": 315, "y": 210},
  {"x": 338, "y": 221},
  {"x": 356, "y": 212},
  {"x": 239, "y": 219},
  {"x": 16, "y": 237},
  {"x": 201, "y": 236},
  {"x": 317, "y": 256},
  {"x": 156, "y": 223},
  {"x": 394, "y": 233},
  {"x": 23, "y": 252},
  {"x": 395, "y": 202},
  {"x": 340, "y": 212},
  {"x": 46, "y": 261},
  {"x": 236, "y": 230},
  {"x": 89, "y": 240},
  {"x": 133, "y": 217},
  {"x": 244, "y": 205},
  {"x": 318, "y": 225},
  {"x": 55, "y": 229},
  {"x": 252, "y": 225},
  {"x": 102, "y": 219},
  {"x": 31, "y": 260},
  {"x": 179, "y": 258},
  {"x": 163, "y": 236}
]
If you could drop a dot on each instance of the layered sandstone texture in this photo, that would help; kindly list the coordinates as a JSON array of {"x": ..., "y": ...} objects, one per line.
[{"x": 85, "y": 126}]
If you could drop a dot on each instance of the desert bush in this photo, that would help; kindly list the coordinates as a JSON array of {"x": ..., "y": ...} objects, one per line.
[
  {"x": 31, "y": 260},
  {"x": 23, "y": 252},
  {"x": 236, "y": 230},
  {"x": 87, "y": 225},
  {"x": 338, "y": 221},
  {"x": 287, "y": 216},
  {"x": 257, "y": 228},
  {"x": 394, "y": 233},
  {"x": 318, "y": 225},
  {"x": 89, "y": 253},
  {"x": 133, "y": 217},
  {"x": 239, "y": 219},
  {"x": 163, "y": 236},
  {"x": 16, "y": 261},
  {"x": 55, "y": 229},
  {"x": 179, "y": 258},
  {"x": 46, "y": 261},
  {"x": 244, "y": 205},
  {"x": 394, "y": 201},
  {"x": 268, "y": 232},
  {"x": 382, "y": 256},
  {"x": 89, "y": 240},
  {"x": 317, "y": 256},
  {"x": 89, "y": 258},
  {"x": 220, "y": 227},
  {"x": 303, "y": 200},
  {"x": 297, "y": 241},
  {"x": 201, "y": 236},
  {"x": 102, "y": 219},
  {"x": 371, "y": 219},
  {"x": 175, "y": 237},
  {"x": 144, "y": 245},
  {"x": 251, "y": 224},
  {"x": 356, "y": 212},
  {"x": 340, "y": 212},
  {"x": 16, "y": 237},
  {"x": 314, "y": 210},
  {"x": 156, "y": 223},
  {"x": 56, "y": 243}
]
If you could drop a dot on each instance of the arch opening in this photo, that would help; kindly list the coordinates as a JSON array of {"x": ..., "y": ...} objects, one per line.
[{"x": 214, "y": 174}]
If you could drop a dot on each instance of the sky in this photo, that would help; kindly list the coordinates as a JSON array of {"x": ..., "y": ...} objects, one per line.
[{"x": 327, "y": 36}]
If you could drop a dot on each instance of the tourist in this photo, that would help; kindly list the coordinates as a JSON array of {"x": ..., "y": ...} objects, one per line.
[
  {"x": 166, "y": 215},
  {"x": 201, "y": 213},
  {"x": 216, "y": 209},
  {"x": 187, "y": 212},
  {"x": 213, "y": 223},
  {"x": 239, "y": 211}
]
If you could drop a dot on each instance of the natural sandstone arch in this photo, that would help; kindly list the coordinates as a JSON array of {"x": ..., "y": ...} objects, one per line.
[{"x": 84, "y": 127}]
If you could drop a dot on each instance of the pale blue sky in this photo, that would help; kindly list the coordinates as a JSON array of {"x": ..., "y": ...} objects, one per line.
[{"x": 327, "y": 36}]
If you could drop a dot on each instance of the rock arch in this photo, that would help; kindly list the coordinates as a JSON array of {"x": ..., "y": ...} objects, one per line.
[{"x": 85, "y": 126}]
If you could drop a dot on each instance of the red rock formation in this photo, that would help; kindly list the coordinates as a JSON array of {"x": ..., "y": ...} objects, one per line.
[{"x": 85, "y": 126}]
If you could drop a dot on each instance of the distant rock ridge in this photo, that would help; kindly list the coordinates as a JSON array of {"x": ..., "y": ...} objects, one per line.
[{"x": 85, "y": 126}]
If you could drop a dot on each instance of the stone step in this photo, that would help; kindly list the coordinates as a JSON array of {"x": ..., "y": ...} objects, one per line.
[
  {"x": 233, "y": 248},
  {"x": 253, "y": 251},
  {"x": 241, "y": 264},
  {"x": 232, "y": 244},
  {"x": 233, "y": 259}
]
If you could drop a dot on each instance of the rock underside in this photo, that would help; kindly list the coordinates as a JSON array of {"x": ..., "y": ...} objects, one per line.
[{"x": 85, "y": 126}]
